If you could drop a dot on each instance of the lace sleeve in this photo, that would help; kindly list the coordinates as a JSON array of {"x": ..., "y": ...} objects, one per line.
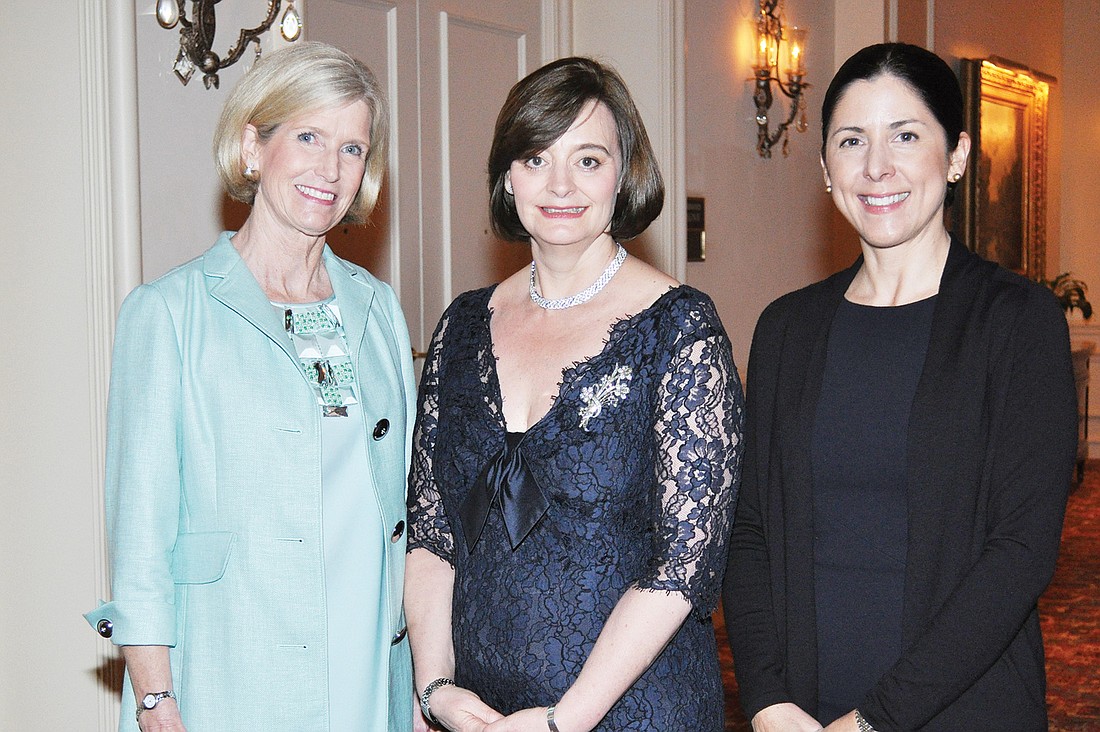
[
  {"x": 700, "y": 415},
  {"x": 428, "y": 524}
]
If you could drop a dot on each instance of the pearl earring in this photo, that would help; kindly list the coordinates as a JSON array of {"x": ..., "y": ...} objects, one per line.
[{"x": 828, "y": 188}]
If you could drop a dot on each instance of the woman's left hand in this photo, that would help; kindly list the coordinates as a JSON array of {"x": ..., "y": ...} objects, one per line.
[
  {"x": 847, "y": 723},
  {"x": 525, "y": 720}
]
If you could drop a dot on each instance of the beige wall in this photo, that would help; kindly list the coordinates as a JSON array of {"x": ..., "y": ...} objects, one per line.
[
  {"x": 1080, "y": 179},
  {"x": 56, "y": 212},
  {"x": 769, "y": 223},
  {"x": 1081, "y": 175}
]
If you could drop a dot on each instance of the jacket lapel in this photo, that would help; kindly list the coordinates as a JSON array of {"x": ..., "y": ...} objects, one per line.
[
  {"x": 805, "y": 351},
  {"x": 940, "y": 393},
  {"x": 232, "y": 284},
  {"x": 944, "y": 425},
  {"x": 354, "y": 296},
  {"x": 806, "y": 346}
]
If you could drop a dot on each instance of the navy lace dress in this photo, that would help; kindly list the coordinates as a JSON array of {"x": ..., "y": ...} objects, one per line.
[{"x": 639, "y": 462}]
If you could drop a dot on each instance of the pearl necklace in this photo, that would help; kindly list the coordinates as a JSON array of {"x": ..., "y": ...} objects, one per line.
[{"x": 580, "y": 298}]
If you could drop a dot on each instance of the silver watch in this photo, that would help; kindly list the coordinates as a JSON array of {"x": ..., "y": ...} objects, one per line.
[
  {"x": 150, "y": 701},
  {"x": 862, "y": 723}
]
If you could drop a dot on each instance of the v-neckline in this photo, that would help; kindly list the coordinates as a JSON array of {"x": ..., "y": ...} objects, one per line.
[{"x": 568, "y": 373}]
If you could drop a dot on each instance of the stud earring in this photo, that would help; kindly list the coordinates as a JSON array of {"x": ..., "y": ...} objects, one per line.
[
  {"x": 954, "y": 178},
  {"x": 251, "y": 174},
  {"x": 828, "y": 188}
]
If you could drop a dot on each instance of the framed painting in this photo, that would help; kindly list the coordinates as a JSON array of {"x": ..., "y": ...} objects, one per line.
[{"x": 1001, "y": 211}]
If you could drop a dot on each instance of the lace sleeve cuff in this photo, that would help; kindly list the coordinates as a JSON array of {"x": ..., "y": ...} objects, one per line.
[{"x": 698, "y": 433}]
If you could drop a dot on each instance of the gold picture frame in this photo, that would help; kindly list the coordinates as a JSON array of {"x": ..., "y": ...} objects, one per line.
[{"x": 1002, "y": 203}]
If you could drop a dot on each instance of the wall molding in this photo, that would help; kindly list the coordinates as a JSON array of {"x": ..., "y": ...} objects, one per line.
[
  {"x": 649, "y": 54},
  {"x": 112, "y": 246}
]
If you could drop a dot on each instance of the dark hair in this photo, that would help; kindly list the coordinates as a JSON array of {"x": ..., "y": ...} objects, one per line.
[
  {"x": 540, "y": 108},
  {"x": 924, "y": 72}
]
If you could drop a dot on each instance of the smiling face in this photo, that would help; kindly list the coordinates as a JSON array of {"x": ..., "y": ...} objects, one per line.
[
  {"x": 310, "y": 168},
  {"x": 887, "y": 160},
  {"x": 566, "y": 193}
]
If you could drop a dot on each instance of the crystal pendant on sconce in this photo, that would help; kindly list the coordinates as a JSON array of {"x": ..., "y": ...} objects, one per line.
[
  {"x": 168, "y": 13},
  {"x": 291, "y": 25},
  {"x": 183, "y": 67}
]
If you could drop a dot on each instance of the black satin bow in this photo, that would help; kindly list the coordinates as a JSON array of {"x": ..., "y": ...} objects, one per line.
[{"x": 506, "y": 479}]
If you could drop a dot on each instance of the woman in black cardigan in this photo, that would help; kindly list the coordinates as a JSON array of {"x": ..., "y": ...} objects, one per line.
[{"x": 910, "y": 440}]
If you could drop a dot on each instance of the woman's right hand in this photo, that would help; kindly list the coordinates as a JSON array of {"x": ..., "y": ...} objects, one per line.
[
  {"x": 785, "y": 717},
  {"x": 461, "y": 710},
  {"x": 164, "y": 717}
]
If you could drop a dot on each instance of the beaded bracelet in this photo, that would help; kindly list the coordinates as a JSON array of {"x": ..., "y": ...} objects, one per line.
[{"x": 428, "y": 691}]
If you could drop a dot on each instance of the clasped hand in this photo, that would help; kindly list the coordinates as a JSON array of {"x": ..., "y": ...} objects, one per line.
[
  {"x": 785, "y": 717},
  {"x": 461, "y": 710},
  {"x": 789, "y": 717}
]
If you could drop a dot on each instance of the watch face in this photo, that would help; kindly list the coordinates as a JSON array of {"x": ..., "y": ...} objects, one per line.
[{"x": 149, "y": 701}]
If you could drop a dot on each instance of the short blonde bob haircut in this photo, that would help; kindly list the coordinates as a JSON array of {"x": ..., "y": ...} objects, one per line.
[{"x": 300, "y": 79}]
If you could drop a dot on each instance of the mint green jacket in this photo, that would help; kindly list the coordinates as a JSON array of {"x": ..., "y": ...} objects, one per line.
[{"x": 214, "y": 492}]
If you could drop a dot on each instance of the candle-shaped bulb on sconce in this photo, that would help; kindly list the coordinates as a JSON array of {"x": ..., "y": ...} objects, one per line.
[
  {"x": 796, "y": 50},
  {"x": 760, "y": 60},
  {"x": 773, "y": 49}
]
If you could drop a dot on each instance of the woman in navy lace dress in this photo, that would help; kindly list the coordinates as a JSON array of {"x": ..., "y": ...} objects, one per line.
[{"x": 577, "y": 449}]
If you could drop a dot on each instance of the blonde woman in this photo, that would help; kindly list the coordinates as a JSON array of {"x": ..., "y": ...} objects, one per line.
[{"x": 260, "y": 402}]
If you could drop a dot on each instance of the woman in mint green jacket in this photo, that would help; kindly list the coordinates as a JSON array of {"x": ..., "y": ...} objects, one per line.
[{"x": 260, "y": 402}]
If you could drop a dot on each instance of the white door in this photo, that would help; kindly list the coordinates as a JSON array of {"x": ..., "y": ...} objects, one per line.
[{"x": 447, "y": 65}]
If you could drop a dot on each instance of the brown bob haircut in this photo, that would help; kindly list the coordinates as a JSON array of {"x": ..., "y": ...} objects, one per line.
[
  {"x": 299, "y": 79},
  {"x": 541, "y": 108}
]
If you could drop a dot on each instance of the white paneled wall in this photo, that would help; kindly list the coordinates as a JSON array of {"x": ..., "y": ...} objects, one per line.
[{"x": 70, "y": 231}]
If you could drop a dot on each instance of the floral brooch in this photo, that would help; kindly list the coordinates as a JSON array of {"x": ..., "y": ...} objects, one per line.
[{"x": 609, "y": 391}]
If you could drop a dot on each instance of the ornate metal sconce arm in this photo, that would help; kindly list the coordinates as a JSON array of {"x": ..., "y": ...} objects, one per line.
[
  {"x": 197, "y": 38},
  {"x": 763, "y": 98},
  {"x": 771, "y": 37},
  {"x": 250, "y": 34}
]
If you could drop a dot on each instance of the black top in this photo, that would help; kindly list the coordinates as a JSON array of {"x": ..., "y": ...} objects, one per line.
[
  {"x": 872, "y": 365},
  {"x": 990, "y": 451}
]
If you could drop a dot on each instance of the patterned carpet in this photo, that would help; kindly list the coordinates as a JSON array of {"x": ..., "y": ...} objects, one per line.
[{"x": 1070, "y": 611}]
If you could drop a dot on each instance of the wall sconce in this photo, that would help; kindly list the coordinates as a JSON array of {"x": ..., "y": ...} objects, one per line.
[
  {"x": 197, "y": 36},
  {"x": 771, "y": 34}
]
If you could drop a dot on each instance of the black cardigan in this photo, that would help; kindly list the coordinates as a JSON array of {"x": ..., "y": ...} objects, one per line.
[{"x": 992, "y": 438}]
